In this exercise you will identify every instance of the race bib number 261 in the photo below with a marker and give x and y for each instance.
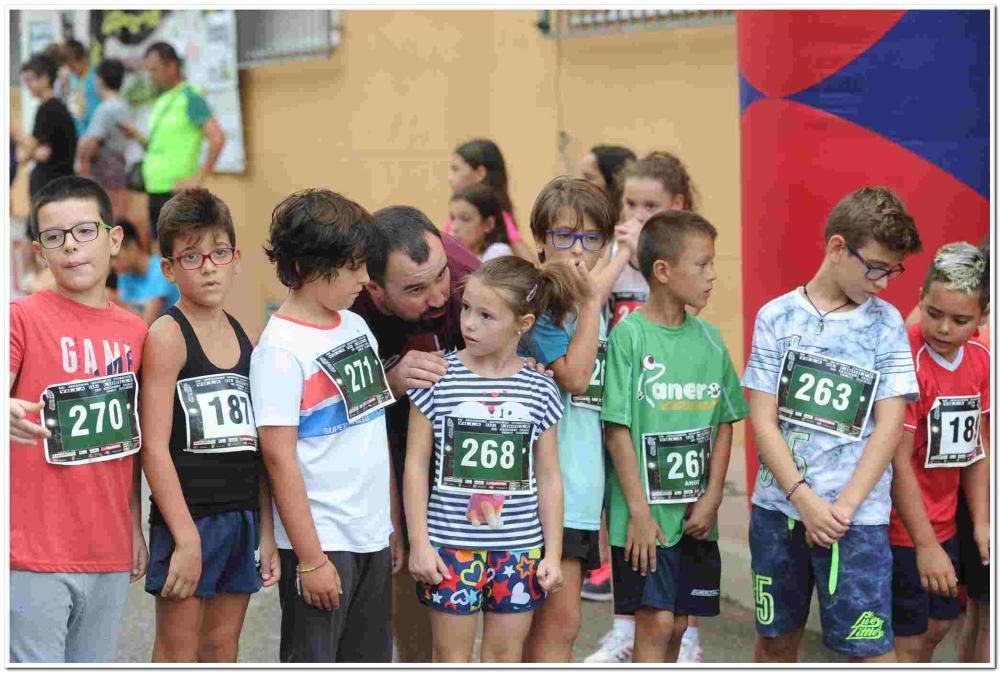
(91, 420)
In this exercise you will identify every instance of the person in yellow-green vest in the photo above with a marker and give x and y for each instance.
(180, 120)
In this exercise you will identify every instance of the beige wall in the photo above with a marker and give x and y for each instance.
(379, 118)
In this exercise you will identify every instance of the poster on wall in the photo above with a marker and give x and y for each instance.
(206, 42)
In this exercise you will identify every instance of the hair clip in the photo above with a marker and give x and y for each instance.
(531, 293)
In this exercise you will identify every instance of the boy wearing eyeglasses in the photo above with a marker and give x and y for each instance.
(829, 376)
(75, 532)
(141, 285)
(573, 221)
(210, 508)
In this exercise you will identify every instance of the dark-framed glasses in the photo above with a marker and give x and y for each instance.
(82, 232)
(592, 241)
(877, 271)
(190, 261)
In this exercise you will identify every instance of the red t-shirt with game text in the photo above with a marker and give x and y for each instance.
(69, 518)
(969, 374)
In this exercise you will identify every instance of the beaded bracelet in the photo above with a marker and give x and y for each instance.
(788, 496)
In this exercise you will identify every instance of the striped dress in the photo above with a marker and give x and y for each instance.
(481, 520)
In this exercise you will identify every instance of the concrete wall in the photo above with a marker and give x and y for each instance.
(378, 120)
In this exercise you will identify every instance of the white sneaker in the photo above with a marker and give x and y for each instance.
(691, 652)
(616, 648)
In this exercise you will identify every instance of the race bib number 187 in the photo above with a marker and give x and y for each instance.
(953, 432)
(825, 394)
(218, 413)
(91, 420)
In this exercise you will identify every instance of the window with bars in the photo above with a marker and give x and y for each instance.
(571, 22)
(276, 36)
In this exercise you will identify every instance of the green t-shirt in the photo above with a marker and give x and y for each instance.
(175, 137)
(672, 387)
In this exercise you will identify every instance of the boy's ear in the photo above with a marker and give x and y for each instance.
(984, 319)
(116, 234)
(836, 247)
(167, 267)
(661, 271)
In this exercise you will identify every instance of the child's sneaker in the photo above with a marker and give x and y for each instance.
(597, 585)
(616, 648)
(691, 652)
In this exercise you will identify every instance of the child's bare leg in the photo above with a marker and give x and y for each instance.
(783, 649)
(503, 637)
(557, 621)
(178, 629)
(674, 648)
(221, 626)
(454, 636)
(654, 630)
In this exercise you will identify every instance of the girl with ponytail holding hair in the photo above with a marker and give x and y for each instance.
(479, 161)
(488, 536)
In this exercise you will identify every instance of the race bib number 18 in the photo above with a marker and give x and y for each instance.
(91, 420)
(486, 456)
(676, 465)
(953, 432)
(218, 413)
(358, 374)
(825, 394)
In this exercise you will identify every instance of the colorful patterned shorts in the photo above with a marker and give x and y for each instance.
(494, 581)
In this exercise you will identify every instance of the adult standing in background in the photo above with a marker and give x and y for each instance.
(52, 142)
(180, 120)
(83, 98)
(101, 151)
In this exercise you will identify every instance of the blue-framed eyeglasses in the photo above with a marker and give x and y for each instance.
(876, 272)
(592, 241)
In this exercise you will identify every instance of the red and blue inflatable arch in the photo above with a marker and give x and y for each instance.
(834, 100)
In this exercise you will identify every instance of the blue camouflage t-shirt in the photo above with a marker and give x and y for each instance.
(871, 337)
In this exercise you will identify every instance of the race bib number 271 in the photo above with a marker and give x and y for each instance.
(359, 376)
(91, 420)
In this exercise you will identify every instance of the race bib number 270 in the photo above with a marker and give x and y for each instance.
(91, 420)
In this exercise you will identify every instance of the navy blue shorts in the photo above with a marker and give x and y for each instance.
(971, 572)
(686, 581)
(911, 605)
(854, 580)
(229, 543)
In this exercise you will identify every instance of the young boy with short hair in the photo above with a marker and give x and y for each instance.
(209, 509)
(939, 459)
(75, 534)
(319, 396)
(671, 397)
(829, 375)
(141, 284)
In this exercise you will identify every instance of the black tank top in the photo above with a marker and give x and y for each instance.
(213, 441)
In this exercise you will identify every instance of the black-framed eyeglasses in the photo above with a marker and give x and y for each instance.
(191, 261)
(592, 241)
(874, 272)
(83, 232)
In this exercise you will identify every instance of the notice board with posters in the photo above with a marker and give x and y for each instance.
(206, 42)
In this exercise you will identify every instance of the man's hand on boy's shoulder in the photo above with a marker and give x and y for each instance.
(23, 431)
(416, 369)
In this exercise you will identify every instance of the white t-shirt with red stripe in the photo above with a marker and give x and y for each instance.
(345, 465)
(967, 375)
